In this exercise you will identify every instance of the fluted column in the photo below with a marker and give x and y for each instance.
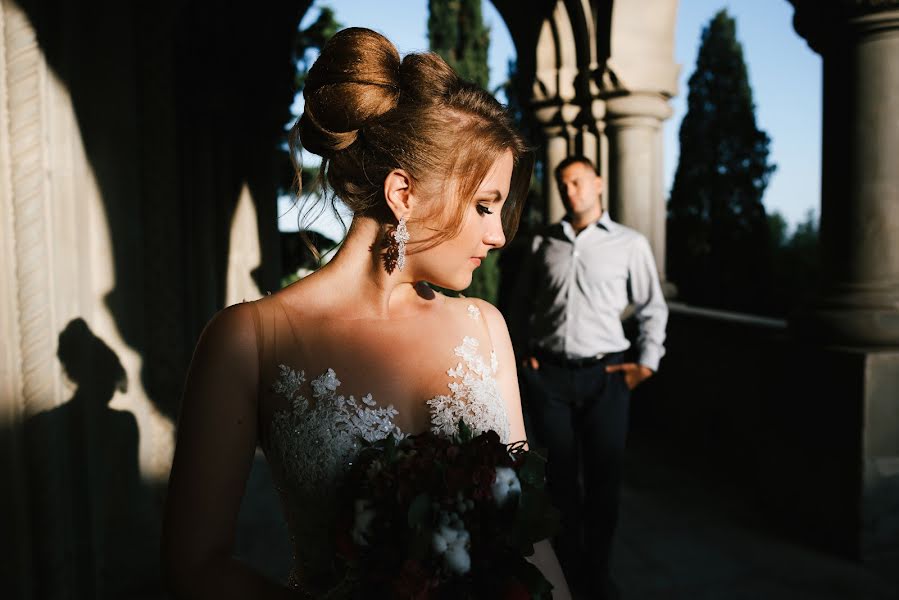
(27, 361)
(636, 191)
(558, 131)
(859, 44)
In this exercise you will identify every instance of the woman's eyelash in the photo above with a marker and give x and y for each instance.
(484, 209)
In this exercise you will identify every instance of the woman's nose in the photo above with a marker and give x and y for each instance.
(495, 236)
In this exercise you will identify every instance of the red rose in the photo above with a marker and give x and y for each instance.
(515, 590)
(345, 546)
(456, 479)
(483, 478)
(344, 541)
(412, 582)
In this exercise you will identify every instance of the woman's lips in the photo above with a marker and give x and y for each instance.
(476, 260)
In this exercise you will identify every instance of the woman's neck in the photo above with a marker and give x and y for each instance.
(357, 271)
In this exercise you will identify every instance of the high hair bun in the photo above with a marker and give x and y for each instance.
(426, 78)
(355, 80)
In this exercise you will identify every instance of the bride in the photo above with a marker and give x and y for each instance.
(435, 176)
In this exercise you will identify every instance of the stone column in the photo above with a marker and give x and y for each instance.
(636, 192)
(592, 142)
(556, 122)
(570, 128)
(859, 43)
(29, 376)
(855, 319)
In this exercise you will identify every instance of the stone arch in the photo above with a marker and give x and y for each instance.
(602, 74)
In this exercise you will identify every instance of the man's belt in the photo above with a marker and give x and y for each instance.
(561, 360)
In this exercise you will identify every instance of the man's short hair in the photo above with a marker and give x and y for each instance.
(572, 160)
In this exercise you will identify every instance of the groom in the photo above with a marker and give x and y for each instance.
(581, 275)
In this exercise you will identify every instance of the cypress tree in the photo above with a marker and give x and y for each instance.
(718, 249)
(314, 37)
(456, 31)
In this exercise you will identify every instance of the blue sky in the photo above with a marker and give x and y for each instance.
(784, 73)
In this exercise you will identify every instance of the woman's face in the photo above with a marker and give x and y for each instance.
(451, 263)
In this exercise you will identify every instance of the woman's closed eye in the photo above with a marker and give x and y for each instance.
(484, 209)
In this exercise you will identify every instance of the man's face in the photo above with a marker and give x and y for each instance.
(580, 188)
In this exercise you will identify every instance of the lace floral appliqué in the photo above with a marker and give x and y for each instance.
(474, 395)
(316, 441)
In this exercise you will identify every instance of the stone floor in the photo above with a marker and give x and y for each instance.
(683, 537)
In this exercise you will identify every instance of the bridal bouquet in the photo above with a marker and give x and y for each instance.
(430, 517)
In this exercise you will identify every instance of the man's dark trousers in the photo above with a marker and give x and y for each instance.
(579, 413)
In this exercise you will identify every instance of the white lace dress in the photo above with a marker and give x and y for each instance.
(312, 444)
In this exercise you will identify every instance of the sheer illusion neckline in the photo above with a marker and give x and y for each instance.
(473, 394)
(314, 439)
(472, 387)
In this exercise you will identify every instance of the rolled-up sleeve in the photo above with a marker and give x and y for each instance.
(651, 310)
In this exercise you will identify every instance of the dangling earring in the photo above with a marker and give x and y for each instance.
(401, 236)
(395, 256)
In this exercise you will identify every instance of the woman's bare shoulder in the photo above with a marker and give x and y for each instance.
(232, 325)
(230, 336)
(481, 308)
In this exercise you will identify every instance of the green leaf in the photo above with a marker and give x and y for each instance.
(536, 518)
(419, 512)
(532, 470)
(390, 448)
(419, 543)
(465, 434)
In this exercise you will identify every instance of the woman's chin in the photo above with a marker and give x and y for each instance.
(456, 285)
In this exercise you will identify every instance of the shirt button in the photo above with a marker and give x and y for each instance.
(576, 254)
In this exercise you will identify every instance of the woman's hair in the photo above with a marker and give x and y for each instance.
(368, 112)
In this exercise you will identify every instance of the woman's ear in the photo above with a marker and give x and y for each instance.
(398, 193)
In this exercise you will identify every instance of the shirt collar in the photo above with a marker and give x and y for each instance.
(604, 222)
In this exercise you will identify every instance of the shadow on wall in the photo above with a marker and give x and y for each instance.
(178, 105)
(94, 522)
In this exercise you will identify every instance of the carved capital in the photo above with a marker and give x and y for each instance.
(651, 108)
(867, 6)
(825, 22)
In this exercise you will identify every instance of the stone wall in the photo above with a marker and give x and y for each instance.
(128, 132)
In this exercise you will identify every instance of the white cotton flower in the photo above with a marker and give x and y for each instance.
(449, 533)
(438, 543)
(505, 485)
(451, 540)
(362, 522)
(456, 559)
